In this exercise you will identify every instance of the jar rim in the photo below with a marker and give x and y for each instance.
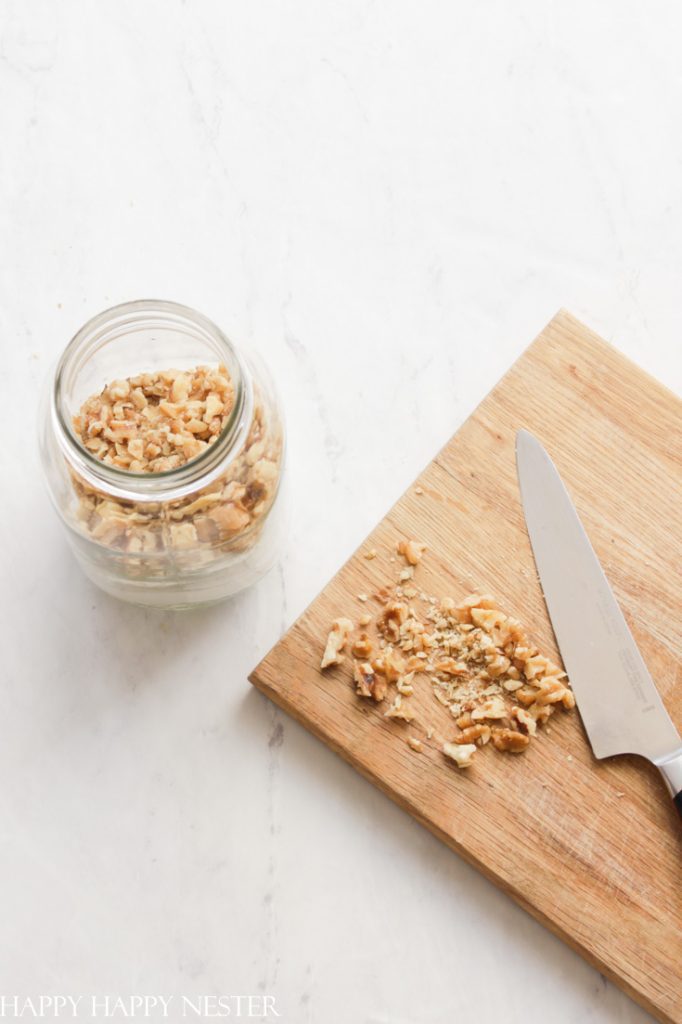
(170, 484)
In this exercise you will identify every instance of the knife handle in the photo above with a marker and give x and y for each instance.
(671, 770)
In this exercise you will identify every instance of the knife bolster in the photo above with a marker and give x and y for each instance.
(671, 769)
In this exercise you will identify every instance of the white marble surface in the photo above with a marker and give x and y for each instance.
(389, 200)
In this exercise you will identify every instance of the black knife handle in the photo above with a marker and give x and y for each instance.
(678, 803)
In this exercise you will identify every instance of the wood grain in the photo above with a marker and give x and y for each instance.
(592, 849)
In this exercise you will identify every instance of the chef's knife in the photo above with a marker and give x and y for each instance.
(618, 702)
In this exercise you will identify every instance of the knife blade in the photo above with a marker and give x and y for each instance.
(618, 702)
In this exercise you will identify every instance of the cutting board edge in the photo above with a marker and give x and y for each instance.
(262, 685)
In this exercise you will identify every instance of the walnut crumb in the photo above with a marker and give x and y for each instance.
(400, 709)
(461, 754)
(492, 708)
(336, 641)
(362, 646)
(475, 734)
(411, 550)
(510, 740)
(367, 683)
(415, 744)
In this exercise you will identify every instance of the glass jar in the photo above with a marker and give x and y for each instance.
(191, 534)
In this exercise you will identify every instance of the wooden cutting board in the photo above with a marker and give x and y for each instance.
(592, 849)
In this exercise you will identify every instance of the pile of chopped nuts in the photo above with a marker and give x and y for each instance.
(478, 662)
(156, 422)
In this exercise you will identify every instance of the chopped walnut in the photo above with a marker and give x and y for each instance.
(493, 707)
(183, 536)
(336, 641)
(475, 734)
(362, 647)
(411, 550)
(415, 664)
(487, 618)
(510, 740)
(450, 667)
(460, 753)
(392, 619)
(526, 721)
(415, 744)
(400, 709)
(463, 610)
(541, 713)
(497, 665)
(366, 682)
(380, 688)
(550, 691)
(390, 665)
(404, 684)
(526, 695)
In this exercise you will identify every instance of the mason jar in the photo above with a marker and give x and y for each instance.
(175, 531)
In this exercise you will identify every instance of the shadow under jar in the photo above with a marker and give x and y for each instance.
(177, 530)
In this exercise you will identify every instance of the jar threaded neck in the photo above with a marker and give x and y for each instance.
(121, 325)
